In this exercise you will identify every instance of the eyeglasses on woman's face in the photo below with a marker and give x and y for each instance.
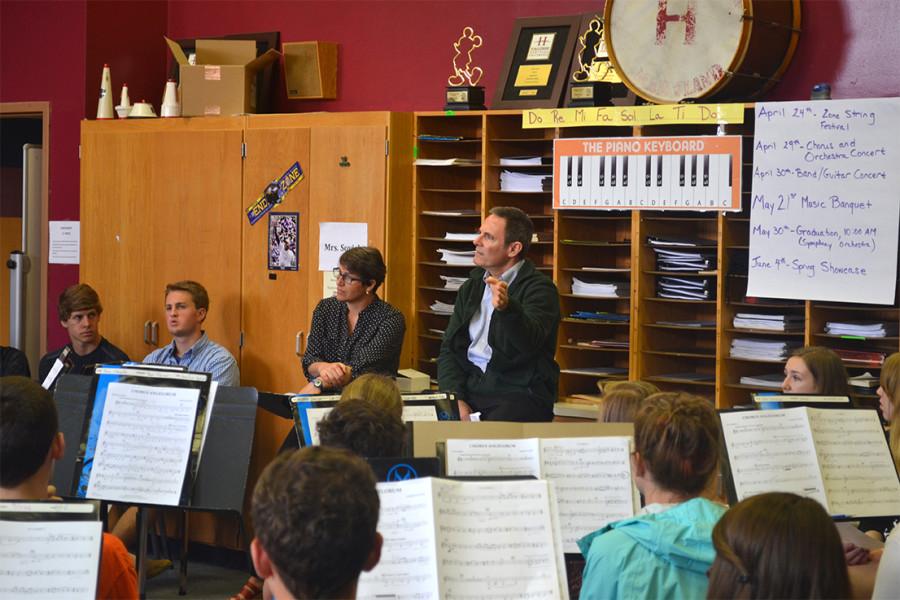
(346, 278)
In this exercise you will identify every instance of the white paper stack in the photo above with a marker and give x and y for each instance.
(869, 329)
(442, 307)
(680, 288)
(448, 162)
(756, 349)
(771, 381)
(452, 283)
(866, 380)
(612, 289)
(524, 182)
(457, 257)
(680, 260)
(768, 322)
(461, 237)
(523, 161)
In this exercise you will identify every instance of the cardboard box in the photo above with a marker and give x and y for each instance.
(411, 381)
(310, 70)
(223, 82)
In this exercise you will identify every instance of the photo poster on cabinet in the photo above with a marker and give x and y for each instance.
(142, 436)
(283, 248)
(825, 201)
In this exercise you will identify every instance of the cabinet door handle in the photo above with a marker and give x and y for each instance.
(154, 333)
(298, 343)
(147, 331)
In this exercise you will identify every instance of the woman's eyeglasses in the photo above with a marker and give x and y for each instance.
(347, 278)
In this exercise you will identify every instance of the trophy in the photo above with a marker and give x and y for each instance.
(463, 91)
(592, 81)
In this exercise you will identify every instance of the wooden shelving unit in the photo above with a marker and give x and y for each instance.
(574, 243)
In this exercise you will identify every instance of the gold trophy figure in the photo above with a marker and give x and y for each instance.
(594, 68)
(463, 91)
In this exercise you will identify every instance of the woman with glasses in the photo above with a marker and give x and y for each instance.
(355, 331)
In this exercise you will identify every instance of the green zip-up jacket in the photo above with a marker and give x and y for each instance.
(522, 339)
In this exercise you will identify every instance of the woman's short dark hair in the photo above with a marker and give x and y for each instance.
(519, 227)
(677, 436)
(777, 545)
(366, 263)
(315, 513)
(827, 369)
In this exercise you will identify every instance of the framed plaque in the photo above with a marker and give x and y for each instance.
(537, 61)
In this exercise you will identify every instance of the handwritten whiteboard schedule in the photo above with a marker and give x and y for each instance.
(825, 202)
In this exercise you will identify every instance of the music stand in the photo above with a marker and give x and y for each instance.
(221, 477)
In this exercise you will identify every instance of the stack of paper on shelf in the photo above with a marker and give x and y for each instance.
(457, 257)
(452, 212)
(599, 316)
(857, 357)
(771, 381)
(453, 283)
(511, 181)
(442, 307)
(768, 322)
(602, 343)
(687, 323)
(867, 329)
(681, 260)
(680, 288)
(448, 162)
(461, 237)
(865, 381)
(610, 289)
(757, 349)
(526, 161)
(596, 371)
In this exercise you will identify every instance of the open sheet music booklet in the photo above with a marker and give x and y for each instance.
(143, 435)
(472, 539)
(839, 457)
(592, 475)
(49, 550)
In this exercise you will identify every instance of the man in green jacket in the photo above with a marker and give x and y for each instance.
(497, 352)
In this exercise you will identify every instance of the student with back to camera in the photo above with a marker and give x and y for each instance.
(665, 551)
(777, 545)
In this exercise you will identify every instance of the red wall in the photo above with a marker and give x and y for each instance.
(395, 55)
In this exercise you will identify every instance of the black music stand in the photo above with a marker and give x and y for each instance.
(221, 477)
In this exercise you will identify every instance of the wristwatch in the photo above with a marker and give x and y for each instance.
(317, 382)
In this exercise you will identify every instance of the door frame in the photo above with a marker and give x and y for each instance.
(42, 110)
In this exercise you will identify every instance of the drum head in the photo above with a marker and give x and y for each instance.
(670, 50)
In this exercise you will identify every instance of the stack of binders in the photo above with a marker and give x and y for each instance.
(680, 288)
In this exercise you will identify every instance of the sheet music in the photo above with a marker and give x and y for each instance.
(408, 565)
(592, 478)
(513, 457)
(49, 560)
(416, 412)
(145, 439)
(773, 451)
(495, 540)
(860, 478)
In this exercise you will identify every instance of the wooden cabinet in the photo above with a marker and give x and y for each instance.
(161, 202)
(164, 200)
(675, 343)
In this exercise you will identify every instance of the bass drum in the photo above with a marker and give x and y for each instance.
(667, 51)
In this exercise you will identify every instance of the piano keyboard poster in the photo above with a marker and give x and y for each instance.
(651, 173)
(825, 202)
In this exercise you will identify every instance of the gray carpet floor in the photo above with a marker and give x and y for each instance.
(204, 581)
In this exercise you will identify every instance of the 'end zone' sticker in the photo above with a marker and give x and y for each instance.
(274, 193)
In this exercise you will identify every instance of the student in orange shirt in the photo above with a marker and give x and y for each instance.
(30, 443)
